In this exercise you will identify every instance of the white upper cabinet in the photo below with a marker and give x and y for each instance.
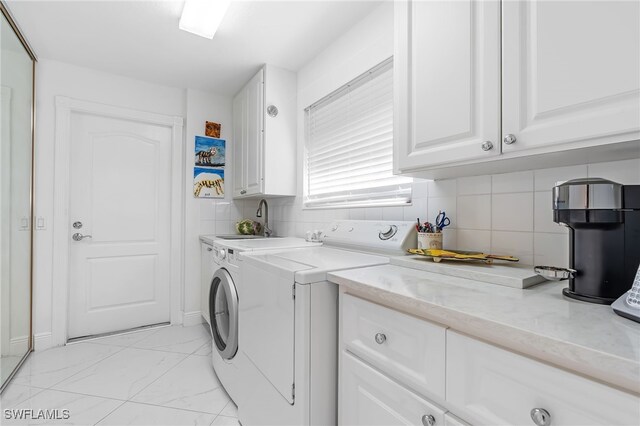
(490, 86)
(571, 73)
(264, 124)
(447, 82)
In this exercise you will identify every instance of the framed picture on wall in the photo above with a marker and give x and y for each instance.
(208, 182)
(208, 171)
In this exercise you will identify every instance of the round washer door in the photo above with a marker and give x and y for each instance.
(223, 311)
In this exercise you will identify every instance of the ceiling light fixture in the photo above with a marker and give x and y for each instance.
(203, 17)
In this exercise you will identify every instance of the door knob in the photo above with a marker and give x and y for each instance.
(380, 338)
(487, 146)
(509, 139)
(79, 237)
(244, 191)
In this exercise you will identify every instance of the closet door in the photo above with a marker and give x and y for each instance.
(16, 197)
(570, 74)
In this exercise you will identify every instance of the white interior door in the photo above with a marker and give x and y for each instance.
(120, 189)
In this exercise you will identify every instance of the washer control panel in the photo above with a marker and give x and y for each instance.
(393, 237)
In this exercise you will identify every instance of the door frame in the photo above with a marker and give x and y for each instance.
(65, 106)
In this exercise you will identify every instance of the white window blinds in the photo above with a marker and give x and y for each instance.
(349, 145)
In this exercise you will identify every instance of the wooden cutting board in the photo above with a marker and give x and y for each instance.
(439, 255)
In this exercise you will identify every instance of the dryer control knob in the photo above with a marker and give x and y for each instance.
(222, 254)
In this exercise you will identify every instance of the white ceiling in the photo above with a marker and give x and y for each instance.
(141, 39)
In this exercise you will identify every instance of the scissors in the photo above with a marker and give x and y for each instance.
(442, 221)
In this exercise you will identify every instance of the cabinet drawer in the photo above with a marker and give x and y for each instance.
(451, 420)
(492, 386)
(407, 348)
(368, 397)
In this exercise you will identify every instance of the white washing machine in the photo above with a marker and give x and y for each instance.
(223, 305)
(288, 332)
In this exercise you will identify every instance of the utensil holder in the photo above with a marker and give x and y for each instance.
(430, 240)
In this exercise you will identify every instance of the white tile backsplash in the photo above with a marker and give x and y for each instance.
(417, 209)
(551, 249)
(473, 240)
(543, 215)
(443, 188)
(503, 214)
(474, 185)
(512, 212)
(519, 244)
(625, 172)
(393, 213)
(512, 182)
(546, 179)
(474, 212)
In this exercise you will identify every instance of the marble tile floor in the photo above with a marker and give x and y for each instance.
(160, 376)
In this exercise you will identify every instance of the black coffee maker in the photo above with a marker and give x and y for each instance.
(604, 238)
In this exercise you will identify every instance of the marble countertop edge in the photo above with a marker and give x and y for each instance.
(604, 367)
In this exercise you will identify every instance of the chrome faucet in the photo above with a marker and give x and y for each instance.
(267, 231)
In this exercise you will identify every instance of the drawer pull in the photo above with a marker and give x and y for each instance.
(541, 417)
(428, 420)
(380, 338)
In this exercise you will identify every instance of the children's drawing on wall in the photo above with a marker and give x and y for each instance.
(210, 152)
(208, 182)
(208, 173)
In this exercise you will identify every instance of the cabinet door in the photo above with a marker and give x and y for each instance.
(446, 82)
(570, 73)
(368, 398)
(451, 420)
(239, 143)
(492, 386)
(206, 274)
(255, 133)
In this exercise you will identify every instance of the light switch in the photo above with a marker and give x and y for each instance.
(24, 224)
(40, 224)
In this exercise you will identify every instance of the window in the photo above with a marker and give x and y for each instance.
(349, 145)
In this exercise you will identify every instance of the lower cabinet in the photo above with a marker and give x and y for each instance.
(396, 379)
(451, 420)
(368, 397)
(493, 386)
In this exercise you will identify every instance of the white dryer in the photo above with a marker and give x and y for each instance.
(223, 298)
(289, 321)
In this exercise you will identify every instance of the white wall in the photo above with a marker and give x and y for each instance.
(55, 78)
(202, 215)
(509, 213)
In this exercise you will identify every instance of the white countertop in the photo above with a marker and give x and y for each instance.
(208, 239)
(586, 338)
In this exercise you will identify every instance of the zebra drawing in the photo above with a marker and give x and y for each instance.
(204, 157)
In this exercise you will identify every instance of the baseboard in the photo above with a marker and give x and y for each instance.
(192, 318)
(42, 341)
(18, 345)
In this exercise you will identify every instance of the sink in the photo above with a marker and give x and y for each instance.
(241, 237)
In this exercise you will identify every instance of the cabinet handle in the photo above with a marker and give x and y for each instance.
(428, 420)
(209, 249)
(244, 191)
(380, 338)
(541, 417)
(509, 139)
(487, 146)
